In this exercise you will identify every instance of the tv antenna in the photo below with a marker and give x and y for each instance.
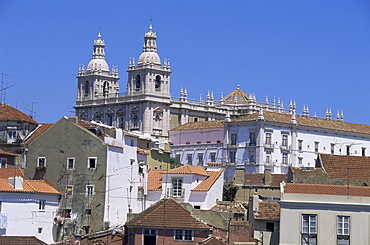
(3, 90)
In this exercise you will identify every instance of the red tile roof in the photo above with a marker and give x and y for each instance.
(5, 173)
(155, 179)
(167, 213)
(9, 113)
(346, 167)
(38, 131)
(189, 169)
(141, 151)
(214, 163)
(237, 96)
(29, 186)
(251, 179)
(268, 210)
(318, 189)
(17, 240)
(213, 241)
(308, 121)
(206, 184)
(200, 125)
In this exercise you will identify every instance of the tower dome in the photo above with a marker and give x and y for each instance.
(98, 62)
(150, 55)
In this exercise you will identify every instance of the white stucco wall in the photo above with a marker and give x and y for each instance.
(24, 217)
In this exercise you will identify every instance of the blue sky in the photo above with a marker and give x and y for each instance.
(316, 52)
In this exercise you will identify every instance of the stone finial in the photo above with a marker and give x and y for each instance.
(293, 119)
(227, 118)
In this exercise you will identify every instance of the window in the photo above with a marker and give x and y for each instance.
(300, 161)
(285, 140)
(3, 162)
(309, 229)
(138, 83)
(86, 229)
(316, 147)
(88, 211)
(232, 156)
(178, 157)
(141, 167)
(200, 159)
(69, 190)
(363, 151)
(140, 193)
(1, 206)
(270, 226)
(86, 88)
(183, 235)
(39, 230)
(285, 158)
(41, 162)
(268, 157)
(42, 204)
(348, 150)
(67, 213)
(233, 138)
(90, 190)
(268, 139)
(70, 163)
(300, 143)
(252, 138)
(212, 155)
(177, 187)
(251, 157)
(190, 159)
(332, 148)
(91, 164)
(343, 230)
(158, 83)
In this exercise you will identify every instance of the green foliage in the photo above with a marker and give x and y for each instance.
(173, 160)
(230, 191)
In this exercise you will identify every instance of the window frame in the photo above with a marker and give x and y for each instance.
(4, 160)
(66, 191)
(90, 190)
(343, 235)
(177, 187)
(200, 159)
(189, 159)
(89, 165)
(38, 162)
(73, 164)
(300, 145)
(212, 156)
(268, 139)
(284, 140)
(316, 146)
(42, 205)
(311, 229)
(183, 235)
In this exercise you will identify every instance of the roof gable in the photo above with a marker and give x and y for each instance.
(206, 184)
(167, 213)
(189, 169)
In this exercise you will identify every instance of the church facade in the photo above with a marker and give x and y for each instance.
(147, 104)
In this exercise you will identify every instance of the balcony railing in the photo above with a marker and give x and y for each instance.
(176, 193)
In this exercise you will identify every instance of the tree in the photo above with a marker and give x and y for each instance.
(230, 191)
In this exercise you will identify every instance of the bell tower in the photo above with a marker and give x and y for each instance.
(96, 83)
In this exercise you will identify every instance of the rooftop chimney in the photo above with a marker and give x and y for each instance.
(267, 177)
(16, 182)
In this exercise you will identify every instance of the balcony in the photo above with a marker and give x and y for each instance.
(176, 193)
(284, 147)
(269, 145)
(253, 144)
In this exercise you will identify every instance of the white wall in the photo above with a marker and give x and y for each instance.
(24, 217)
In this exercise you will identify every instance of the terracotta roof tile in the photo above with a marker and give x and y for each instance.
(9, 113)
(5, 173)
(167, 213)
(189, 169)
(17, 240)
(206, 184)
(155, 179)
(318, 189)
(268, 210)
(141, 151)
(237, 96)
(308, 121)
(29, 186)
(213, 241)
(199, 125)
(257, 179)
(38, 131)
(214, 163)
(346, 167)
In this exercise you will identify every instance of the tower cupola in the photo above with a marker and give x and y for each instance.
(98, 63)
(150, 55)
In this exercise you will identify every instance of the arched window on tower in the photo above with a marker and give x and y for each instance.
(105, 88)
(121, 118)
(86, 88)
(158, 83)
(109, 118)
(138, 82)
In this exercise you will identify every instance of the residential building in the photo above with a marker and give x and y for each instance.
(271, 140)
(8, 159)
(201, 187)
(99, 170)
(319, 214)
(27, 207)
(165, 222)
